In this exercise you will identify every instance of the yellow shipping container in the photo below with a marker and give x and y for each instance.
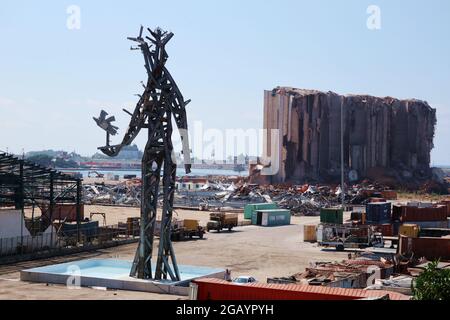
(309, 233)
(190, 224)
(409, 230)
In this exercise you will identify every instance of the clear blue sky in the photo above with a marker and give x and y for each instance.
(224, 54)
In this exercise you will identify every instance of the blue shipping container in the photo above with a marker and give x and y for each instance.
(378, 213)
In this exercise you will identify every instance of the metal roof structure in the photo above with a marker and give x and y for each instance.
(23, 183)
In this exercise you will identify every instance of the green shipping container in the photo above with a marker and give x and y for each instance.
(332, 215)
(251, 208)
(274, 217)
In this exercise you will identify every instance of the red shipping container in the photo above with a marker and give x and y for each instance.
(216, 289)
(430, 248)
(438, 213)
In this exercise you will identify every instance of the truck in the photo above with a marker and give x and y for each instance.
(183, 229)
(222, 220)
(348, 236)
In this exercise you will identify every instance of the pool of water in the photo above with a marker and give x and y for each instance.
(115, 269)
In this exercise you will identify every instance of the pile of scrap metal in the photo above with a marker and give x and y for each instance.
(304, 199)
(126, 193)
(352, 273)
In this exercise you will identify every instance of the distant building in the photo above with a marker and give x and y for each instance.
(190, 184)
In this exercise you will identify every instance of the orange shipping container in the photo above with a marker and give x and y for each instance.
(216, 289)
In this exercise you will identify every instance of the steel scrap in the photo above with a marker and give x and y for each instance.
(125, 193)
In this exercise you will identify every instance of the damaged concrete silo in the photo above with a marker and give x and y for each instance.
(383, 137)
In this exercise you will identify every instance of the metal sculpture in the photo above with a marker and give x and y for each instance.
(160, 101)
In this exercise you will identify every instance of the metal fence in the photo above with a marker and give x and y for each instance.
(53, 242)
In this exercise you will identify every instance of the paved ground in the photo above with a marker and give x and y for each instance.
(257, 251)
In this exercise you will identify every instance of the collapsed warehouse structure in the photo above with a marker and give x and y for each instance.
(26, 185)
(382, 136)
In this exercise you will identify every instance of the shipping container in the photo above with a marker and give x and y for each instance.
(434, 232)
(332, 215)
(409, 230)
(410, 214)
(430, 248)
(275, 217)
(447, 204)
(378, 213)
(214, 289)
(249, 209)
(430, 224)
(309, 233)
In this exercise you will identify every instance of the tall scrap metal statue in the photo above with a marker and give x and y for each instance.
(161, 99)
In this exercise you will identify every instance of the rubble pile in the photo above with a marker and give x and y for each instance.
(125, 193)
(353, 272)
(304, 199)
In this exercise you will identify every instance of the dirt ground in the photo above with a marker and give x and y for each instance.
(250, 250)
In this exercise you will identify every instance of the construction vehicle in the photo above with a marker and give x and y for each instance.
(222, 220)
(348, 236)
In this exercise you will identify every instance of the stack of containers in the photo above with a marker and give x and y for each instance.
(379, 214)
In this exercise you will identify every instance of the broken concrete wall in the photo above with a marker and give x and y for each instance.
(384, 136)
